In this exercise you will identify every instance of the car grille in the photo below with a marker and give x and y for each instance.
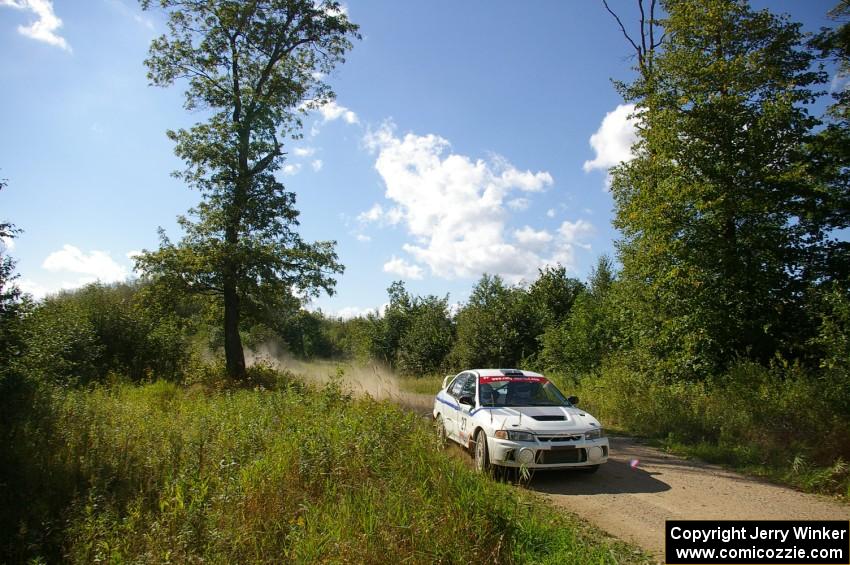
(551, 439)
(554, 456)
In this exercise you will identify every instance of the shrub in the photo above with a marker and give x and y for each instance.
(85, 335)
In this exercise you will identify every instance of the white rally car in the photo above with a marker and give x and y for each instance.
(516, 418)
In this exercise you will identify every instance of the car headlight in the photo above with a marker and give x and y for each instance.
(514, 435)
(595, 433)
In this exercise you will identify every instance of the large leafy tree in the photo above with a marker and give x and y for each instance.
(718, 208)
(495, 328)
(578, 342)
(834, 43)
(10, 299)
(428, 340)
(830, 155)
(253, 68)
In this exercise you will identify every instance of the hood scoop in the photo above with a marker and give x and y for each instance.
(542, 418)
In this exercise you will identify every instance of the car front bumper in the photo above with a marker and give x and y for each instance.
(534, 455)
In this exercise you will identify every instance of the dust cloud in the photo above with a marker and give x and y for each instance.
(370, 379)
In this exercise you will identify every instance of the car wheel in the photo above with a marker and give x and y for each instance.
(590, 470)
(481, 453)
(441, 431)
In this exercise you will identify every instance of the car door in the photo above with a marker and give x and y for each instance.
(450, 406)
(462, 417)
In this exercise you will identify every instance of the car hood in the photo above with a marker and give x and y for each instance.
(542, 419)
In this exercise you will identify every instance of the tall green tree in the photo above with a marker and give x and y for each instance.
(576, 345)
(494, 329)
(253, 68)
(11, 305)
(834, 43)
(713, 206)
(552, 296)
(830, 157)
(426, 343)
(393, 324)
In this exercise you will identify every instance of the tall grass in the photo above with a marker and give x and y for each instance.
(283, 473)
(774, 421)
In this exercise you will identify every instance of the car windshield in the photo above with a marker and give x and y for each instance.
(520, 392)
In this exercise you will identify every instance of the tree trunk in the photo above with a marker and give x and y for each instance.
(234, 356)
(233, 353)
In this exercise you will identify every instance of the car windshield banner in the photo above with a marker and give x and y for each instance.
(541, 380)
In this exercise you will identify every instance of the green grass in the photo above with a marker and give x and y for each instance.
(429, 384)
(282, 473)
(774, 422)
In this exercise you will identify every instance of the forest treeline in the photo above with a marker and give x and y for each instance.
(751, 412)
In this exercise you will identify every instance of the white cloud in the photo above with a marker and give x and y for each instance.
(92, 266)
(525, 181)
(143, 21)
(570, 236)
(613, 141)
(550, 212)
(28, 286)
(403, 269)
(291, 169)
(456, 209)
(394, 215)
(519, 204)
(333, 111)
(364, 238)
(304, 151)
(317, 165)
(529, 237)
(350, 312)
(373, 214)
(8, 243)
(574, 233)
(43, 29)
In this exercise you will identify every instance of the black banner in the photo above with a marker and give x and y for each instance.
(758, 542)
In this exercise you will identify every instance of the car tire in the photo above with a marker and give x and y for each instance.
(481, 453)
(590, 470)
(442, 438)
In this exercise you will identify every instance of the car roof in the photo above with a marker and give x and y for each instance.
(505, 373)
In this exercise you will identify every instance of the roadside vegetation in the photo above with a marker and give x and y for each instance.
(722, 327)
(274, 471)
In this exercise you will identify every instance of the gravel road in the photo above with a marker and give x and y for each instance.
(632, 504)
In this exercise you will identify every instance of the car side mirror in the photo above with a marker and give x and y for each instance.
(466, 399)
(573, 400)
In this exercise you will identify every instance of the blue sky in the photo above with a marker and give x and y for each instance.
(467, 137)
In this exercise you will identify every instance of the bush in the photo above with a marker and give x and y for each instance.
(86, 335)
